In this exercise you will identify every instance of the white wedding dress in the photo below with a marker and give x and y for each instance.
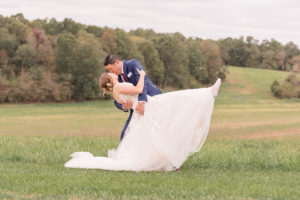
(174, 126)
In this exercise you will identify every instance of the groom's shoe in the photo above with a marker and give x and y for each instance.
(176, 169)
(215, 87)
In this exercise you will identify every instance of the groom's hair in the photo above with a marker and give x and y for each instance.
(110, 59)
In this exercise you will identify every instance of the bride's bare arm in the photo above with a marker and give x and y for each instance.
(131, 89)
(117, 98)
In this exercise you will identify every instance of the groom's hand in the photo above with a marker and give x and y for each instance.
(127, 105)
(140, 108)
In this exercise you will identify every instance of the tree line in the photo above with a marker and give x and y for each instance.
(47, 60)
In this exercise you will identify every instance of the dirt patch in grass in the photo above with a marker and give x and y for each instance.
(88, 132)
(290, 133)
(239, 125)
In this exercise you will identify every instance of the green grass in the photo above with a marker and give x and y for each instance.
(227, 169)
(252, 151)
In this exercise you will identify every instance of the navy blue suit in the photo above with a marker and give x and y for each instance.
(132, 76)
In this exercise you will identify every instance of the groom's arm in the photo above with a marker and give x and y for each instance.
(137, 65)
(119, 105)
(127, 105)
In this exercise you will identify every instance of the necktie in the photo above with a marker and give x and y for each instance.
(124, 78)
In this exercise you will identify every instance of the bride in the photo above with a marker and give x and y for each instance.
(174, 126)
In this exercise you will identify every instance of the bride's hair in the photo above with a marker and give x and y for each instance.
(105, 82)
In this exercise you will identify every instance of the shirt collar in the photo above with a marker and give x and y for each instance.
(122, 67)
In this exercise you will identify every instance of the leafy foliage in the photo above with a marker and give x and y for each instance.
(289, 88)
(70, 49)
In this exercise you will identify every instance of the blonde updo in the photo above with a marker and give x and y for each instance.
(106, 83)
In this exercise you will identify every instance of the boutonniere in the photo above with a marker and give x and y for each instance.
(129, 74)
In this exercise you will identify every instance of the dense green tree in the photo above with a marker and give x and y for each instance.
(148, 34)
(8, 42)
(20, 17)
(82, 58)
(38, 24)
(109, 41)
(295, 62)
(38, 39)
(238, 52)
(173, 54)
(97, 31)
(252, 50)
(126, 47)
(272, 45)
(53, 27)
(3, 58)
(213, 58)
(18, 29)
(281, 59)
(3, 21)
(179, 36)
(197, 61)
(88, 56)
(64, 53)
(225, 45)
(268, 60)
(26, 55)
(291, 50)
(153, 65)
(70, 26)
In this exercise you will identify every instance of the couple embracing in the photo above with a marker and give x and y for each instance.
(162, 129)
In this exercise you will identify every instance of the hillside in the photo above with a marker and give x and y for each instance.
(250, 85)
(246, 109)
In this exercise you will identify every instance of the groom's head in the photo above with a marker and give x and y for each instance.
(113, 64)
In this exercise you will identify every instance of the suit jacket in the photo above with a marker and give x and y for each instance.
(132, 76)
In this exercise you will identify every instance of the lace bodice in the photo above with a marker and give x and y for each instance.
(125, 97)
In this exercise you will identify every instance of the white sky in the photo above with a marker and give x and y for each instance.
(214, 19)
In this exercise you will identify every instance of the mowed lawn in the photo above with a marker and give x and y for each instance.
(252, 150)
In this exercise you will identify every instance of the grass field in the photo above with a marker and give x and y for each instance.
(252, 151)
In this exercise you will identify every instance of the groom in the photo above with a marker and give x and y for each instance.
(126, 71)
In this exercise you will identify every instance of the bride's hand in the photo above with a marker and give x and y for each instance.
(141, 72)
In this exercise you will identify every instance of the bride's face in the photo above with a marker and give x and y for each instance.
(114, 76)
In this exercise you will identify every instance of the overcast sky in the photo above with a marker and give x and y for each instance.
(214, 19)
